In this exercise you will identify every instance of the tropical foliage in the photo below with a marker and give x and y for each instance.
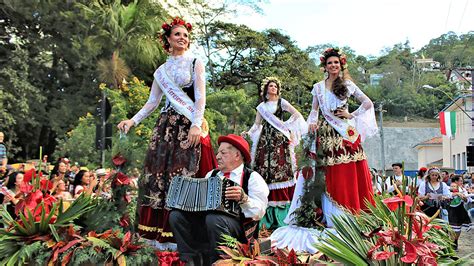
(48, 231)
(391, 231)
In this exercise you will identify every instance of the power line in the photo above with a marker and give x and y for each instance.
(462, 16)
(447, 17)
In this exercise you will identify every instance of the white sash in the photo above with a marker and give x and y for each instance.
(345, 127)
(174, 94)
(273, 120)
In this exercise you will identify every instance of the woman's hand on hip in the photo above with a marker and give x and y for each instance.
(343, 113)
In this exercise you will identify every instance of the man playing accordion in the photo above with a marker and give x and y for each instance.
(198, 233)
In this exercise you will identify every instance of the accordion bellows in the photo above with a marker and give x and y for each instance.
(201, 194)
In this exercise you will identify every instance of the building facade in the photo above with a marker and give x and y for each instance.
(454, 148)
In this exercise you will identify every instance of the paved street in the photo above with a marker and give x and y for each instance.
(466, 243)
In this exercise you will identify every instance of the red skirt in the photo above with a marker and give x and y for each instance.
(350, 185)
(348, 179)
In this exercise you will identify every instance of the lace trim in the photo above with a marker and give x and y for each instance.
(155, 229)
(278, 203)
(280, 185)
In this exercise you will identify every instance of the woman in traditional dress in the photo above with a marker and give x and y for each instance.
(433, 192)
(339, 135)
(273, 156)
(457, 213)
(179, 144)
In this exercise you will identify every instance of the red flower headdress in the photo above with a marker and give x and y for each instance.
(333, 52)
(176, 22)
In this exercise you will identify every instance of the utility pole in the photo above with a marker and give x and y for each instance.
(380, 109)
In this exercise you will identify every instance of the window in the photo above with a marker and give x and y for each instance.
(454, 161)
(464, 162)
(458, 162)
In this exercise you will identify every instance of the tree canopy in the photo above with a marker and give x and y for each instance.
(56, 54)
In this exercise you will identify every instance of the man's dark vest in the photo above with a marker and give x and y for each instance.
(250, 225)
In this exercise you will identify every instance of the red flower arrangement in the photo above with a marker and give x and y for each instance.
(168, 258)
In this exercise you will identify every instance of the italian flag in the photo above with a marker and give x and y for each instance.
(447, 121)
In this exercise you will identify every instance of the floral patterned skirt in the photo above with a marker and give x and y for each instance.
(348, 180)
(169, 154)
(273, 163)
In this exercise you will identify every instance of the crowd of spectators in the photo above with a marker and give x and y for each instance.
(65, 181)
(447, 196)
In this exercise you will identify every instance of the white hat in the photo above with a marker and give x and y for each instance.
(100, 171)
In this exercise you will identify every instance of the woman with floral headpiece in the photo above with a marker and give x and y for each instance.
(180, 144)
(339, 136)
(273, 156)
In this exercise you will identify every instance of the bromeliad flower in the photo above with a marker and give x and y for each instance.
(121, 179)
(394, 202)
(382, 255)
(119, 160)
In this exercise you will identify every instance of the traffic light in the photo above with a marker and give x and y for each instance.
(108, 136)
(108, 109)
(470, 155)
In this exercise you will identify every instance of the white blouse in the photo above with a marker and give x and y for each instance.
(364, 115)
(272, 106)
(179, 68)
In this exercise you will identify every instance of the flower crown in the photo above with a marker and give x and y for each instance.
(433, 170)
(177, 21)
(333, 52)
(267, 80)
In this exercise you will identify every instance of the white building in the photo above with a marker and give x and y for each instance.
(430, 152)
(454, 148)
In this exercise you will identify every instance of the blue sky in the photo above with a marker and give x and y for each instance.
(367, 26)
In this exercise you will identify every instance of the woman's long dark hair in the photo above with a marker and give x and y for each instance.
(266, 83)
(12, 180)
(78, 178)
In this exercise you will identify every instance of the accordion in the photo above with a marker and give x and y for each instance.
(201, 194)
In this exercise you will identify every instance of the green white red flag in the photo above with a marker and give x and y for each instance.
(447, 122)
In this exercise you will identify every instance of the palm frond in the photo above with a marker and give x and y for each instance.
(80, 206)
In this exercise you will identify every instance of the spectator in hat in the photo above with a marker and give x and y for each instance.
(251, 194)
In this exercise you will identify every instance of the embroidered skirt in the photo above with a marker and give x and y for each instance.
(348, 180)
(273, 163)
(169, 154)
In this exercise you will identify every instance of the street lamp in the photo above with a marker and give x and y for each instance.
(451, 98)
